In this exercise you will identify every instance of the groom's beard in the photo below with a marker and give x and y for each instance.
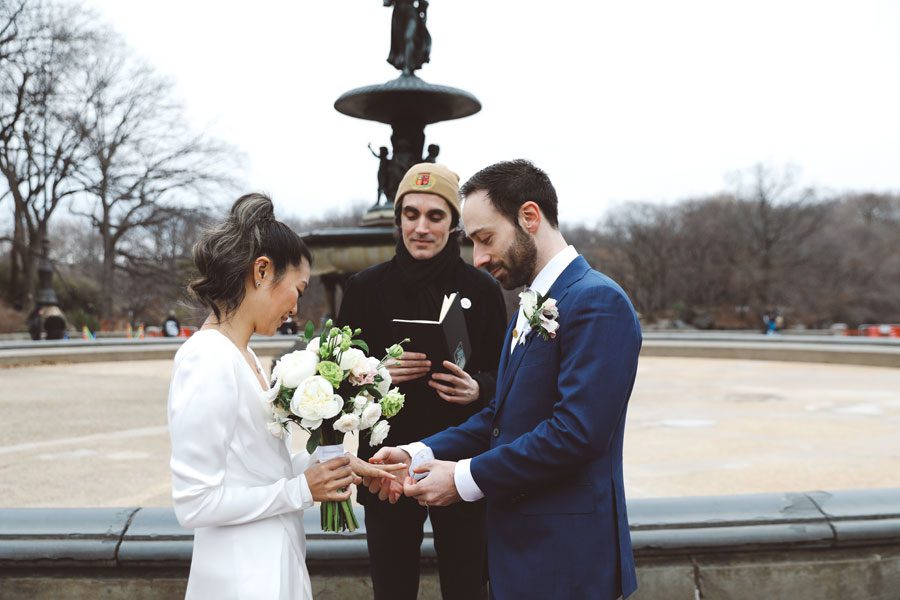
(518, 262)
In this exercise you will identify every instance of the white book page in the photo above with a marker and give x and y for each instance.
(445, 306)
(448, 301)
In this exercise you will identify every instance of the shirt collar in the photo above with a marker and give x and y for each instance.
(553, 269)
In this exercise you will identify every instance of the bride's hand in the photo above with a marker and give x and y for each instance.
(326, 479)
(369, 471)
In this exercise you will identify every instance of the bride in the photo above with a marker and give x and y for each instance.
(237, 485)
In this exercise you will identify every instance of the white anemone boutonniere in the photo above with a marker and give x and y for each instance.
(541, 312)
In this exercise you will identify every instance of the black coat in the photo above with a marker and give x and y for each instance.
(367, 304)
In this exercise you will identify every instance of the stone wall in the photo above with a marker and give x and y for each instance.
(798, 546)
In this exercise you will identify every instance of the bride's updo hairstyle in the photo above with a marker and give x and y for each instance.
(225, 254)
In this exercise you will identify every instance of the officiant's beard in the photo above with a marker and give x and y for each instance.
(518, 262)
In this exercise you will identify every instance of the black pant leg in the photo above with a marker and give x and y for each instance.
(460, 540)
(394, 537)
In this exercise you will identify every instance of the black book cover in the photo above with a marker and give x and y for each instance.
(444, 339)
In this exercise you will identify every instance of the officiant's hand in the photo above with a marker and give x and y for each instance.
(457, 387)
(384, 488)
(410, 365)
(438, 489)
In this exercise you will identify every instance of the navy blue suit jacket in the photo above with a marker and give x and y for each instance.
(548, 449)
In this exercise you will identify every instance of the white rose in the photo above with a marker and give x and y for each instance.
(313, 346)
(359, 404)
(276, 428)
(315, 400)
(379, 433)
(385, 384)
(354, 360)
(370, 415)
(295, 367)
(347, 423)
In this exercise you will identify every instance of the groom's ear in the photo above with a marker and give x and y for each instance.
(530, 217)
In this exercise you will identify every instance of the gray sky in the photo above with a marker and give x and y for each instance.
(617, 101)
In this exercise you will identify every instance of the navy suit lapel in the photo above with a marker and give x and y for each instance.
(504, 352)
(560, 288)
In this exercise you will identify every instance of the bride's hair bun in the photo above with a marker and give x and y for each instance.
(226, 251)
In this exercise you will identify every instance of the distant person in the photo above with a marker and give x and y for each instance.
(54, 322)
(171, 327)
(35, 323)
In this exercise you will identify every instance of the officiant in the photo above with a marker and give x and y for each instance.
(412, 285)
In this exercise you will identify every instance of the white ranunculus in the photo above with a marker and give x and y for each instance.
(385, 384)
(314, 400)
(353, 360)
(295, 367)
(347, 423)
(370, 415)
(276, 428)
(379, 433)
(528, 302)
(313, 346)
(359, 404)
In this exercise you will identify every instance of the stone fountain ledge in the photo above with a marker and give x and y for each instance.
(843, 544)
(883, 352)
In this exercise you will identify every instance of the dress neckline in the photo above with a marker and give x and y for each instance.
(231, 343)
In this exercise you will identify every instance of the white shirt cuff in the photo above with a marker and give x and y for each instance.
(413, 448)
(465, 484)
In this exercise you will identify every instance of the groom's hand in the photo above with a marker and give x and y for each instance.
(384, 488)
(438, 489)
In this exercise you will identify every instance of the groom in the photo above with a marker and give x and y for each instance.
(546, 452)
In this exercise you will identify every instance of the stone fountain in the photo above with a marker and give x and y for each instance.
(408, 104)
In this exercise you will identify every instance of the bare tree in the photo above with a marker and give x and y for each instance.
(41, 95)
(143, 163)
(646, 235)
(777, 217)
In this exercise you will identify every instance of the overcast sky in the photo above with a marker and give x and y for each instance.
(617, 101)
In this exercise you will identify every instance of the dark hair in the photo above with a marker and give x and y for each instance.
(510, 184)
(225, 253)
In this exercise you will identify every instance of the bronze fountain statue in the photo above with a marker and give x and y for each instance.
(408, 104)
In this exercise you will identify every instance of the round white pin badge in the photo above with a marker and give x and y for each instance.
(465, 303)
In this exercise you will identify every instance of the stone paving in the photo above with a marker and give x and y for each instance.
(94, 434)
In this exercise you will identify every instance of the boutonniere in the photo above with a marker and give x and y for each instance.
(541, 313)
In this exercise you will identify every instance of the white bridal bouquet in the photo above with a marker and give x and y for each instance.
(330, 389)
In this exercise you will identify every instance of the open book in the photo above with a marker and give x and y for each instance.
(444, 339)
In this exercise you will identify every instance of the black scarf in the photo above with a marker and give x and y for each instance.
(421, 284)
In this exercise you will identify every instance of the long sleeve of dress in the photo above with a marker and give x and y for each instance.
(203, 408)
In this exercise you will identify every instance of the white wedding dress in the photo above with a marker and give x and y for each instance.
(233, 482)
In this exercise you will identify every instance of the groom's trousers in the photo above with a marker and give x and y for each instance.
(394, 534)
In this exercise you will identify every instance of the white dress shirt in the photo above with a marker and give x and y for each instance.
(462, 475)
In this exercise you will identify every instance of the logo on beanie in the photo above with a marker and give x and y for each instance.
(424, 180)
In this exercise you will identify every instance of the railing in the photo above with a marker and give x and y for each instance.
(882, 352)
